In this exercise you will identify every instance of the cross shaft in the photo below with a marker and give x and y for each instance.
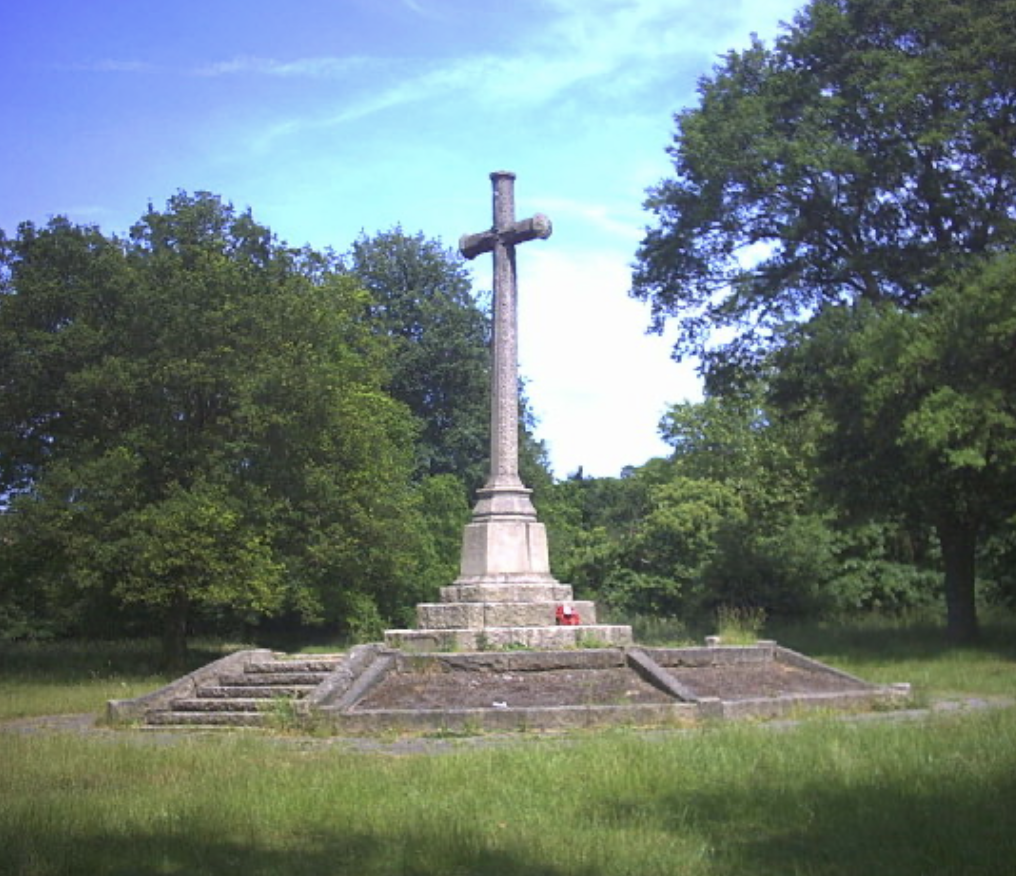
(501, 240)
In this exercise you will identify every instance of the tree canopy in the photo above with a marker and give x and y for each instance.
(866, 155)
(194, 418)
(922, 409)
(422, 302)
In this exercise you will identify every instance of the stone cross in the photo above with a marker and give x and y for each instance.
(504, 487)
(505, 593)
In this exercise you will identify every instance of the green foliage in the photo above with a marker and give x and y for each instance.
(922, 405)
(733, 519)
(883, 569)
(194, 421)
(739, 626)
(856, 179)
(422, 303)
(866, 155)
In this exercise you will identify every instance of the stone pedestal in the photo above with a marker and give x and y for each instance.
(504, 595)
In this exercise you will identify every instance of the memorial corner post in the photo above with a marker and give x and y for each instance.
(504, 539)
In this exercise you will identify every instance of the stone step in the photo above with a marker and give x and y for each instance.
(542, 591)
(310, 664)
(293, 691)
(481, 615)
(262, 679)
(232, 704)
(207, 719)
(493, 638)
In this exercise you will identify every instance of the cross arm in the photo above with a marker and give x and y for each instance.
(472, 245)
(538, 227)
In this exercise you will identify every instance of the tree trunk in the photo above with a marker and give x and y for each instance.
(174, 632)
(959, 549)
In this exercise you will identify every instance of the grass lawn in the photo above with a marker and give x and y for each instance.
(825, 797)
(63, 678)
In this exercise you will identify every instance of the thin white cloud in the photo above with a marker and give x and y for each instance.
(626, 229)
(612, 48)
(310, 68)
(422, 9)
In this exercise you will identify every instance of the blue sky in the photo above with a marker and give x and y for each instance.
(329, 118)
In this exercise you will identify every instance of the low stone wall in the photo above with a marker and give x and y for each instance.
(515, 720)
(346, 712)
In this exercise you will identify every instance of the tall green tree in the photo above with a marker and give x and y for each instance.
(924, 413)
(866, 155)
(193, 419)
(422, 301)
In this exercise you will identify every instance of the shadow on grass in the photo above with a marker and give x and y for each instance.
(884, 641)
(69, 661)
(825, 829)
(335, 853)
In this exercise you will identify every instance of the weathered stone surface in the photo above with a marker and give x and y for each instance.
(505, 594)
(508, 720)
(649, 669)
(500, 548)
(499, 590)
(228, 704)
(504, 637)
(129, 710)
(449, 616)
(709, 656)
(242, 690)
(360, 684)
(481, 615)
(254, 692)
(336, 686)
(269, 680)
(537, 689)
(512, 661)
(207, 719)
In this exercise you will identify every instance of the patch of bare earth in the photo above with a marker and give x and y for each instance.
(481, 690)
(604, 687)
(762, 680)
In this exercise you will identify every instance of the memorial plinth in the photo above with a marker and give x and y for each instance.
(505, 594)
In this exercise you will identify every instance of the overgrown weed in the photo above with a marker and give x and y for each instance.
(737, 625)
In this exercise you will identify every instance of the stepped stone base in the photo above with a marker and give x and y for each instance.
(480, 615)
(487, 638)
(501, 610)
(375, 689)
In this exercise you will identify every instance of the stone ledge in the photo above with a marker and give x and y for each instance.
(507, 720)
(547, 637)
(515, 591)
(511, 661)
(484, 615)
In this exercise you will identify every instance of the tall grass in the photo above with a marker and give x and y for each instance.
(827, 798)
(47, 678)
(886, 650)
